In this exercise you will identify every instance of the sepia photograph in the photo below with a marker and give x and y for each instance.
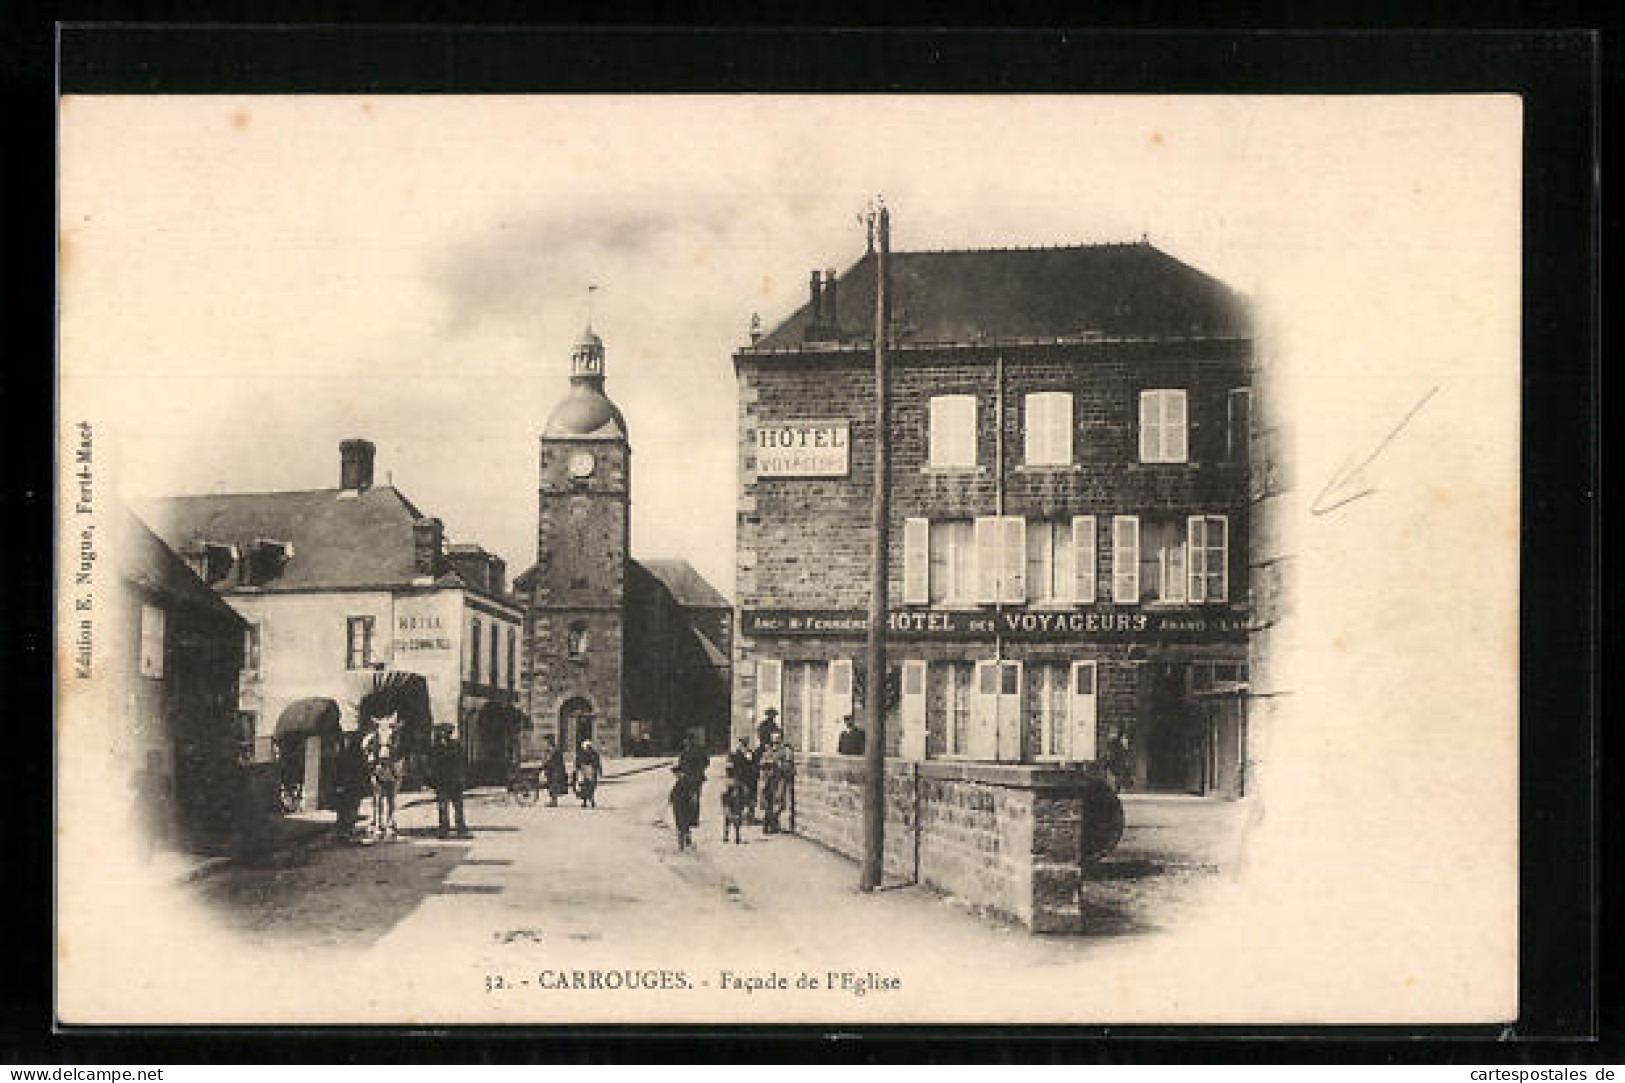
(775, 559)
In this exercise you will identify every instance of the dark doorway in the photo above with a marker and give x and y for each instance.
(1173, 759)
(575, 722)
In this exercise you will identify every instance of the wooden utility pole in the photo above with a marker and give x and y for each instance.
(874, 700)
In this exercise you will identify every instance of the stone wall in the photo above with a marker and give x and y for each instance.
(1002, 836)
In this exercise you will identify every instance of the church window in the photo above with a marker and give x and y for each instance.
(575, 641)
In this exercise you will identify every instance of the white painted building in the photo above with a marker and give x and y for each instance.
(340, 586)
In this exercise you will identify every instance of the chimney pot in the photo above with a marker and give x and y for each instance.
(428, 536)
(817, 298)
(355, 464)
(830, 315)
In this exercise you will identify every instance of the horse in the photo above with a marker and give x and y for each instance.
(384, 767)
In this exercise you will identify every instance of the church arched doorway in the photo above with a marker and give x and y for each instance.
(575, 722)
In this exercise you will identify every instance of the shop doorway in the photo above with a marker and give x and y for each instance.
(1174, 758)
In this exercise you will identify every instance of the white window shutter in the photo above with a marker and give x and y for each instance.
(1218, 558)
(1060, 421)
(837, 702)
(1013, 555)
(987, 559)
(913, 710)
(1125, 558)
(965, 426)
(1196, 560)
(1174, 424)
(1036, 434)
(1083, 559)
(769, 687)
(1083, 710)
(1009, 712)
(916, 561)
(1150, 427)
(984, 712)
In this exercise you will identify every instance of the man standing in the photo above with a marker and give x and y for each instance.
(778, 767)
(449, 770)
(743, 763)
(853, 740)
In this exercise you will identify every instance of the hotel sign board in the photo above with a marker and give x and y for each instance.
(803, 449)
(1025, 624)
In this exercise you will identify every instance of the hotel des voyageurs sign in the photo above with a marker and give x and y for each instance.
(803, 449)
(1031, 624)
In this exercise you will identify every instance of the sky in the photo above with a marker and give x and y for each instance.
(248, 281)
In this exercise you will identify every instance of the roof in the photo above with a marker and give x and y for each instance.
(1109, 290)
(586, 412)
(687, 586)
(340, 538)
(146, 562)
(713, 654)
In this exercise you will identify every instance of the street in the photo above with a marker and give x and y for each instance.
(611, 878)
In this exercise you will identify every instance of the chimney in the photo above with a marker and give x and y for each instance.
(355, 465)
(816, 306)
(829, 302)
(427, 536)
(498, 582)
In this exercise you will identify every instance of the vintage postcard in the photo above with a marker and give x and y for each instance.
(468, 609)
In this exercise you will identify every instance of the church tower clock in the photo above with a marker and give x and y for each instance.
(576, 609)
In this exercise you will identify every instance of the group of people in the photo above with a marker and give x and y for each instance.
(558, 779)
(371, 763)
(758, 782)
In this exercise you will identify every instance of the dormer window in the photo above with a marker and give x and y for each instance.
(266, 559)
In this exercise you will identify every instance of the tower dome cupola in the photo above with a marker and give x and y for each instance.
(586, 411)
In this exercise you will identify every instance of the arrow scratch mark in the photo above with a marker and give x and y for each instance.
(1342, 477)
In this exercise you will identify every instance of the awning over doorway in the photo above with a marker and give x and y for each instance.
(306, 717)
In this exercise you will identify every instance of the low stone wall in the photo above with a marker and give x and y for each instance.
(1004, 836)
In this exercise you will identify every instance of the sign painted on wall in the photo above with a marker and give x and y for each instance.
(802, 449)
(1036, 624)
(421, 632)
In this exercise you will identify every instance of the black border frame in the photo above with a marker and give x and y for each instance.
(1559, 75)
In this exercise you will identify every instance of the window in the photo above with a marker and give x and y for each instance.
(474, 638)
(1219, 676)
(1049, 428)
(251, 648)
(513, 655)
(1125, 558)
(995, 724)
(1051, 684)
(838, 701)
(1238, 424)
(1163, 575)
(959, 677)
(152, 641)
(939, 562)
(1001, 559)
(1051, 570)
(248, 724)
(575, 640)
(1162, 427)
(1209, 537)
(358, 642)
(953, 431)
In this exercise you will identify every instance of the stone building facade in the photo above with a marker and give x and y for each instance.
(1069, 513)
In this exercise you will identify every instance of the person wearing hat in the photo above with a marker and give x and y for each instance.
(448, 770)
(770, 726)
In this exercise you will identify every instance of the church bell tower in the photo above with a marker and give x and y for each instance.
(575, 620)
